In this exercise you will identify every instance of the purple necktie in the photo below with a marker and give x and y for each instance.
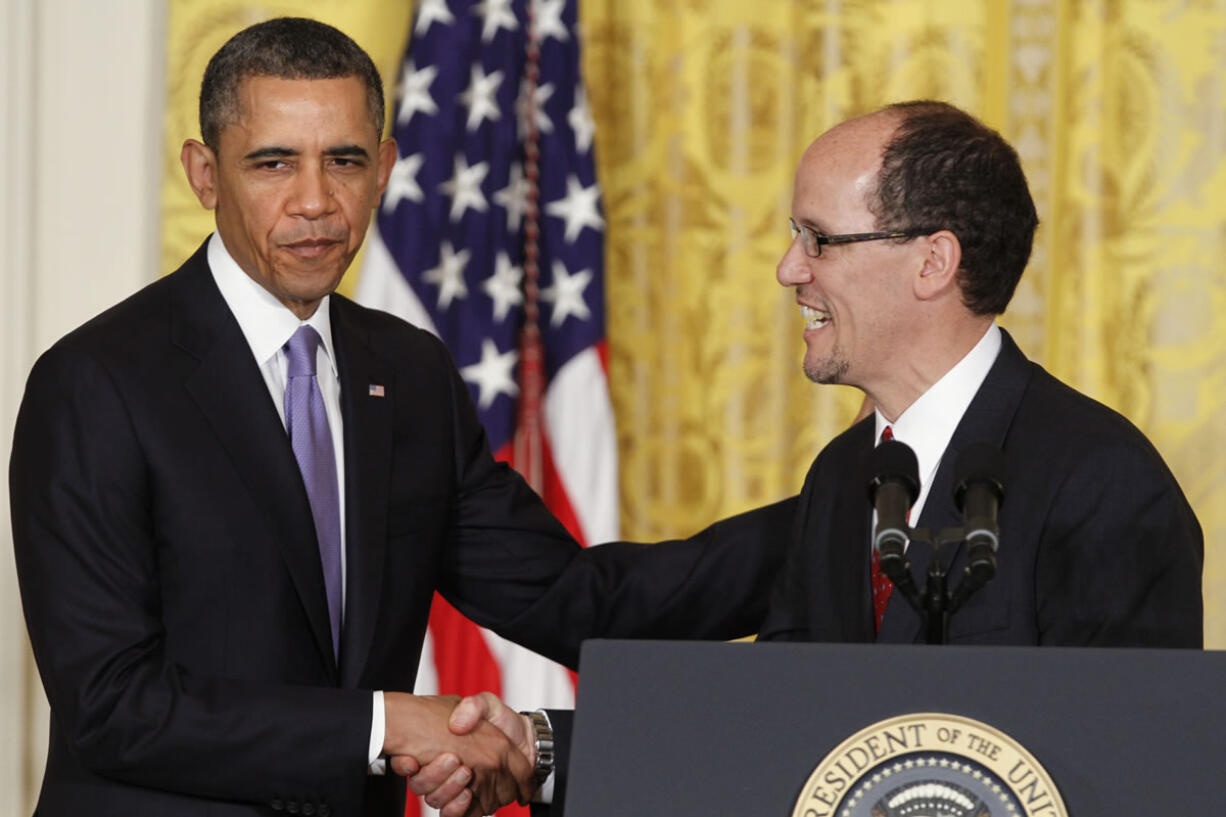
(311, 438)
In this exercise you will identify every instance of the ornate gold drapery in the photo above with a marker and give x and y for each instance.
(702, 107)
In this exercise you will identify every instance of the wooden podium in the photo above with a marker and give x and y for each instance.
(719, 730)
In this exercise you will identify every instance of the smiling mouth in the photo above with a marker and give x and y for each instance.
(814, 318)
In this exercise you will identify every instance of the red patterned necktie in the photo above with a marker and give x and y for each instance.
(882, 586)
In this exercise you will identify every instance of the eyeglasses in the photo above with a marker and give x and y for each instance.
(813, 241)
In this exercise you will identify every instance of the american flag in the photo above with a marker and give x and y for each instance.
(491, 235)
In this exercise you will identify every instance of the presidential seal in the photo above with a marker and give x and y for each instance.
(929, 765)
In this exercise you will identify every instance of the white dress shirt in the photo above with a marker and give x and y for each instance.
(268, 324)
(928, 424)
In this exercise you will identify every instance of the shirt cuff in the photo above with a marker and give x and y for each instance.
(375, 764)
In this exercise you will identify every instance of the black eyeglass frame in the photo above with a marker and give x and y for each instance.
(820, 239)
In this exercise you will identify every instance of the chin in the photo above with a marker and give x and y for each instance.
(826, 372)
(307, 280)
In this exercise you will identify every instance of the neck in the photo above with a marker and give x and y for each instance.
(924, 362)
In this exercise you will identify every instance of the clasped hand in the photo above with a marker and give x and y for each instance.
(465, 757)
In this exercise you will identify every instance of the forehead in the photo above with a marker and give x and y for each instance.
(839, 171)
(275, 106)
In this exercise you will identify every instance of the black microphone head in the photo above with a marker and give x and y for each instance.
(981, 463)
(894, 461)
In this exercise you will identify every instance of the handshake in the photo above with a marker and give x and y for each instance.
(465, 757)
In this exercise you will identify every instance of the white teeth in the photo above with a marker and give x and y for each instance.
(814, 319)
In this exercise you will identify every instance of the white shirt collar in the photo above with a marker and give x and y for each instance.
(928, 424)
(267, 323)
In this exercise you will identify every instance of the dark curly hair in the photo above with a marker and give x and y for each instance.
(943, 168)
(286, 47)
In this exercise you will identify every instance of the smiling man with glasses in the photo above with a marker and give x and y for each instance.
(911, 227)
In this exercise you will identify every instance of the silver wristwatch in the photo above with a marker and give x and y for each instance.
(543, 734)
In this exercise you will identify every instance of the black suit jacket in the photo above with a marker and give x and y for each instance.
(1098, 545)
(170, 574)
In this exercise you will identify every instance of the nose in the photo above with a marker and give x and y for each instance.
(313, 195)
(793, 269)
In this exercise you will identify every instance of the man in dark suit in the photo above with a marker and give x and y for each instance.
(227, 618)
(911, 227)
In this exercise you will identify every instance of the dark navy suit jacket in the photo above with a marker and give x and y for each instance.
(1098, 545)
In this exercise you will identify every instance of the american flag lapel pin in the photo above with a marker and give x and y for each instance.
(376, 390)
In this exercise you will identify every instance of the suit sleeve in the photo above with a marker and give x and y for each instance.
(88, 554)
(513, 568)
(786, 618)
(714, 585)
(1120, 560)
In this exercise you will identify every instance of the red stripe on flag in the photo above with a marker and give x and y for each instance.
(602, 349)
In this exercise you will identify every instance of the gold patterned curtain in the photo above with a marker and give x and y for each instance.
(1118, 109)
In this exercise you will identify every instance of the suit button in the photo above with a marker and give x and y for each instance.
(308, 809)
(277, 805)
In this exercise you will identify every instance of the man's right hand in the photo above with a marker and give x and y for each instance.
(442, 782)
(496, 770)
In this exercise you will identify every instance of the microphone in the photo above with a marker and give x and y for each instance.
(894, 486)
(978, 492)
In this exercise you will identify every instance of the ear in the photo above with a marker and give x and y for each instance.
(200, 164)
(939, 274)
(387, 160)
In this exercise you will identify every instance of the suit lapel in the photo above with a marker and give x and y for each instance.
(368, 446)
(987, 419)
(232, 396)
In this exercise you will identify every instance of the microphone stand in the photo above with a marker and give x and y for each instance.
(936, 605)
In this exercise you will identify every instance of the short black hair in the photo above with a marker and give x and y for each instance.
(944, 169)
(289, 48)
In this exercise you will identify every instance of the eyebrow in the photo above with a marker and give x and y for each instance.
(270, 153)
(347, 150)
(276, 152)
